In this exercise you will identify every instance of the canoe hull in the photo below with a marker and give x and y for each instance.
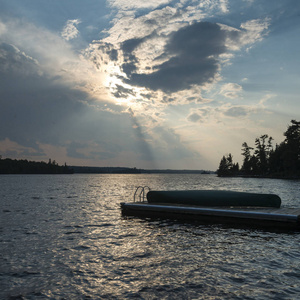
(213, 198)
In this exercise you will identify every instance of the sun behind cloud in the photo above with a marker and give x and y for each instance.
(182, 81)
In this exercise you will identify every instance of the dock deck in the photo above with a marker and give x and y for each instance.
(288, 218)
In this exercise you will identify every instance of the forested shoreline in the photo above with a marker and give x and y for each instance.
(265, 160)
(23, 166)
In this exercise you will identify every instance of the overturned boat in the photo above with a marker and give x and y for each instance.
(213, 206)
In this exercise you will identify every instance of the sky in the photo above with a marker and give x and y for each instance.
(156, 84)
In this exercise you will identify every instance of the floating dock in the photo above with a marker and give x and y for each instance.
(174, 205)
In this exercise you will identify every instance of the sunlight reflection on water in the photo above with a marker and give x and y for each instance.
(63, 237)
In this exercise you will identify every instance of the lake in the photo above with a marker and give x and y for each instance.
(63, 237)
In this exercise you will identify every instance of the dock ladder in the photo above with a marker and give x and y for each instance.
(140, 193)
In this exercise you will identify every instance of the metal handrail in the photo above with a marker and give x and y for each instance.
(140, 193)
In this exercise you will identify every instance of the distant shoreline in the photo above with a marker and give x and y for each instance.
(263, 177)
(23, 166)
(126, 170)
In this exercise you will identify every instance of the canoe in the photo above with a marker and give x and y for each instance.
(213, 198)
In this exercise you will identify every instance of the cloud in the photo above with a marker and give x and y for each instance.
(2, 28)
(209, 114)
(55, 58)
(34, 107)
(137, 4)
(224, 6)
(254, 30)
(192, 53)
(237, 111)
(169, 50)
(70, 31)
(128, 26)
(13, 149)
(157, 64)
(231, 90)
(194, 117)
(122, 92)
(48, 98)
(198, 115)
(188, 56)
(14, 60)
(41, 108)
(40, 112)
(49, 49)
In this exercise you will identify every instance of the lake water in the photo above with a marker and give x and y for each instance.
(63, 237)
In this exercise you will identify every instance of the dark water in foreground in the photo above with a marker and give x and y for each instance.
(62, 237)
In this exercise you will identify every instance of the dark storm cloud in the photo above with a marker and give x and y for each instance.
(72, 150)
(198, 40)
(129, 45)
(129, 67)
(39, 109)
(13, 60)
(35, 111)
(194, 52)
(130, 59)
(25, 111)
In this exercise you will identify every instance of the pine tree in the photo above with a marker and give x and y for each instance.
(291, 155)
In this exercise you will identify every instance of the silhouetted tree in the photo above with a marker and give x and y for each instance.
(227, 167)
(291, 155)
(276, 164)
(247, 163)
(264, 160)
(262, 153)
(9, 166)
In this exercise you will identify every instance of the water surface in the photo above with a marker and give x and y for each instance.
(63, 237)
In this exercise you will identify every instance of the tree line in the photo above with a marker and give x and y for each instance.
(23, 166)
(265, 160)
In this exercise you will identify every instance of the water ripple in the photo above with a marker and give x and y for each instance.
(63, 237)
